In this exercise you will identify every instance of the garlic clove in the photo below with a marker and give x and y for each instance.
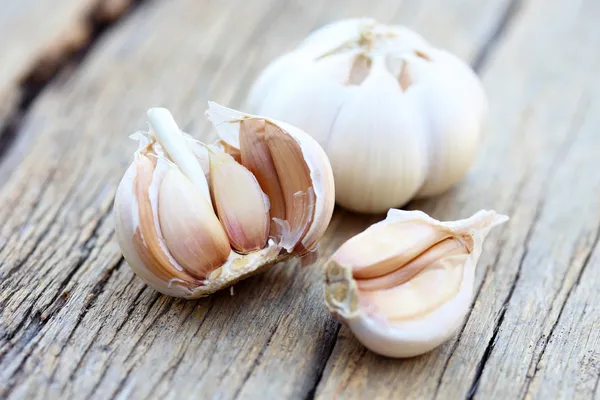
(419, 305)
(138, 235)
(174, 144)
(294, 179)
(256, 156)
(456, 104)
(427, 291)
(281, 155)
(369, 175)
(241, 205)
(190, 228)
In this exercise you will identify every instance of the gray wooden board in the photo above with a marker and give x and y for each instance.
(76, 323)
(36, 35)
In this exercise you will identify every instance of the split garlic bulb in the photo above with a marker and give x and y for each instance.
(192, 219)
(397, 117)
(404, 285)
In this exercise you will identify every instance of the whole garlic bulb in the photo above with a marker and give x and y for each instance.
(397, 117)
(192, 219)
(404, 285)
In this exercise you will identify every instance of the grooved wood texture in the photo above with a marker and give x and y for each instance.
(76, 323)
(36, 35)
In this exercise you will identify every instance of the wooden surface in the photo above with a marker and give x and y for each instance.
(37, 36)
(76, 323)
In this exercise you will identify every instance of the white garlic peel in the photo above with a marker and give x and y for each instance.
(404, 285)
(397, 117)
(178, 243)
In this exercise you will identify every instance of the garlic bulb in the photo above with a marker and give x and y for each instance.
(192, 219)
(404, 285)
(397, 117)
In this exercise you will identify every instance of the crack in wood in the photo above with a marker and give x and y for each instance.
(121, 385)
(547, 339)
(35, 82)
(510, 12)
(166, 307)
(487, 273)
(559, 157)
(33, 207)
(328, 351)
(490, 346)
(344, 382)
(61, 294)
(38, 327)
(49, 226)
(79, 362)
(492, 342)
(595, 392)
(175, 364)
(130, 311)
(257, 359)
(35, 325)
(54, 304)
(90, 300)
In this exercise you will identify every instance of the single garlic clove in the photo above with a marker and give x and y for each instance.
(167, 228)
(293, 177)
(456, 104)
(418, 304)
(175, 146)
(241, 205)
(256, 156)
(369, 176)
(278, 163)
(190, 228)
(138, 234)
(291, 168)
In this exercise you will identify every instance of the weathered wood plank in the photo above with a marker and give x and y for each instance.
(75, 322)
(36, 35)
(537, 164)
(74, 319)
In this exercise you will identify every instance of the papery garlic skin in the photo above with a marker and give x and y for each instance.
(178, 243)
(421, 333)
(403, 124)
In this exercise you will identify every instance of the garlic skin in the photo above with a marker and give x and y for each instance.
(178, 242)
(423, 309)
(397, 117)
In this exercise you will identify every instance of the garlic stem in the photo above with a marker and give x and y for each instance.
(169, 136)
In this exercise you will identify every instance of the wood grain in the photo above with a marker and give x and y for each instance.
(37, 35)
(76, 323)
